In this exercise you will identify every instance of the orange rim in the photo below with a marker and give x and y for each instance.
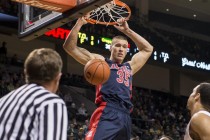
(118, 3)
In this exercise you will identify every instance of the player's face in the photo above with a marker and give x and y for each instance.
(118, 50)
(191, 99)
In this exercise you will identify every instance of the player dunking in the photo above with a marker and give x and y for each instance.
(199, 105)
(111, 120)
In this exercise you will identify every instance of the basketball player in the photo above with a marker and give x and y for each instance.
(199, 105)
(111, 120)
(34, 111)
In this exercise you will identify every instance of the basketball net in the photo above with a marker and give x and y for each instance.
(109, 13)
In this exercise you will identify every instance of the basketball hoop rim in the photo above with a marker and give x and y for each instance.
(118, 3)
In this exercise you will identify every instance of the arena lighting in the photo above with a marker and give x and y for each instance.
(166, 57)
(195, 64)
(61, 33)
(58, 33)
(161, 56)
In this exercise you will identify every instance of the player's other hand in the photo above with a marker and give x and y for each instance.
(82, 20)
(122, 25)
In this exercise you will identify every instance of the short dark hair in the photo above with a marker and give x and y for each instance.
(42, 66)
(204, 90)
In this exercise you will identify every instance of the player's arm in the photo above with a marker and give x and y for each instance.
(53, 122)
(145, 48)
(200, 124)
(70, 45)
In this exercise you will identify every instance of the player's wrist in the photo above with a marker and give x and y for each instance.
(79, 24)
(128, 31)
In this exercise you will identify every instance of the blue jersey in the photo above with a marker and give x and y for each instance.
(117, 89)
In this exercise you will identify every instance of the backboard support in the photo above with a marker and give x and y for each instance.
(34, 22)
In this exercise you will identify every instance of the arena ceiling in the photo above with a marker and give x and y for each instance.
(193, 9)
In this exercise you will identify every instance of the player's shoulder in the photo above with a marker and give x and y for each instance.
(200, 120)
(128, 63)
(201, 115)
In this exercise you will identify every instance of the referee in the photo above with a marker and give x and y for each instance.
(34, 111)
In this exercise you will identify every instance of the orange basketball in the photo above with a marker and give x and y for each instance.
(96, 71)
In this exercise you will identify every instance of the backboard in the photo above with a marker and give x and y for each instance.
(39, 16)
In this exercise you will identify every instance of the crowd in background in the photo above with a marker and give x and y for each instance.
(191, 47)
(154, 114)
(157, 113)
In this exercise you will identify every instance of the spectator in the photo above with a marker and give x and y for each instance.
(72, 111)
(82, 113)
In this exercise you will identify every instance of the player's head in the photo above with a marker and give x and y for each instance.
(43, 67)
(200, 97)
(118, 48)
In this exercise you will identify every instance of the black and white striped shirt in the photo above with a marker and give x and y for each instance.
(32, 113)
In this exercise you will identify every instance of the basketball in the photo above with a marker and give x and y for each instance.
(96, 71)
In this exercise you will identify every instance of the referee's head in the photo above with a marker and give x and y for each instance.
(43, 67)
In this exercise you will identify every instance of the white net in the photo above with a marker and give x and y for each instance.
(109, 13)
